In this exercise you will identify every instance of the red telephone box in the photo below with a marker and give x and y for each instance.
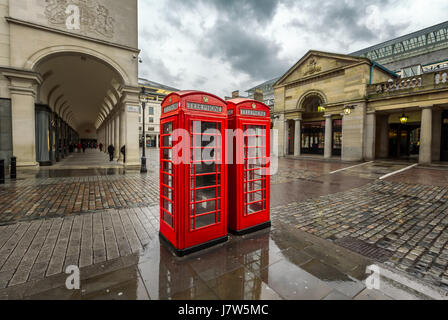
(193, 177)
(249, 179)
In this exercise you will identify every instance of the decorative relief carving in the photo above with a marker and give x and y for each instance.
(312, 67)
(87, 16)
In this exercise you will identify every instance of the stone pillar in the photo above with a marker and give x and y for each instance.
(383, 136)
(131, 103)
(116, 120)
(353, 126)
(122, 130)
(112, 132)
(328, 137)
(436, 134)
(23, 92)
(106, 131)
(286, 138)
(297, 137)
(426, 136)
(370, 136)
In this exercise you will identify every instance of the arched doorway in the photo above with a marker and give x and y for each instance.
(313, 124)
(77, 94)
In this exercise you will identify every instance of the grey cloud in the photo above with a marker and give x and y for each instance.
(246, 51)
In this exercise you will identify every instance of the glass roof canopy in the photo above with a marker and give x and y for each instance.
(423, 41)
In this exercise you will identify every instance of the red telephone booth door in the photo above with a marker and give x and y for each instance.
(255, 174)
(206, 173)
(168, 178)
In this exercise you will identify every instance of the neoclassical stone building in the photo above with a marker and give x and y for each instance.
(351, 107)
(68, 71)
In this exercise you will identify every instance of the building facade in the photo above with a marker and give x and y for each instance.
(354, 108)
(69, 71)
(350, 107)
(155, 93)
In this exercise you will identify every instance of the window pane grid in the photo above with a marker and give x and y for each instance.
(205, 182)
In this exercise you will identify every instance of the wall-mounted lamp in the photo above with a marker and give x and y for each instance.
(321, 109)
(404, 119)
(348, 110)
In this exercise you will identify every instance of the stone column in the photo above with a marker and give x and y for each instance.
(328, 137)
(122, 130)
(112, 132)
(297, 137)
(117, 135)
(436, 134)
(370, 136)
(286, 138)
(131, 105)
(23, 92)
(426, 136)
(106, 132)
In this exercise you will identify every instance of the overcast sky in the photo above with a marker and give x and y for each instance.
(224, 45)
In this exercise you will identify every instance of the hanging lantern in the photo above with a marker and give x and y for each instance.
(321, 109)
(404, 119)
(348, 110)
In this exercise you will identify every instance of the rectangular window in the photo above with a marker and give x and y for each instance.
(151, 111)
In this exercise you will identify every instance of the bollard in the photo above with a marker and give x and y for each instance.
(13, 168)
(2, 171)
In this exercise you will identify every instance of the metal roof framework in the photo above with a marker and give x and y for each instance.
(416, 43)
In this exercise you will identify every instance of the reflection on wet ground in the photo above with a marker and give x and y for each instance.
(272, 264)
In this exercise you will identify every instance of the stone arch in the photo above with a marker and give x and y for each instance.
(45, 53)
(311, 93)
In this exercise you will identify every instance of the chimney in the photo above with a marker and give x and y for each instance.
(235, 94)
(258, 95)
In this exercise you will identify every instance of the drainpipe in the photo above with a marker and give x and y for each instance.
(371, 71)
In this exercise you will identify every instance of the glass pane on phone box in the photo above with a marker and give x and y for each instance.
(167, 141)
(255, 185)
(209, 141)
(196, 155)
(210, 127)
(195, 140)
(167, 193)
(254, 207)
(166, 205)
(203, 168)
(253, 175)
(255, 196)
(167, 128)
(167, 154)
(208, 180)
(167, 218)
(167, 167)
(195, 127)
(209, 155)
(205, 207)
(206, 194)
(167, 180)
(204, 221)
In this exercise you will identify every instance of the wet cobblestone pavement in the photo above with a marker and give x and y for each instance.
(409, 221)
(330, 221)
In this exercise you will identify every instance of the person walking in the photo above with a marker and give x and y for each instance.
(111, 150)
(101, 147)
(79, 147)
(84, 146)
(123, 151)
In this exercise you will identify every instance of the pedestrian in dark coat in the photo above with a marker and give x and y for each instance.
(111, 150)
(123, 151)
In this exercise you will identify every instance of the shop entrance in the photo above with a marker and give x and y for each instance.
(313, 137)
(444, 148)
(404, 140)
